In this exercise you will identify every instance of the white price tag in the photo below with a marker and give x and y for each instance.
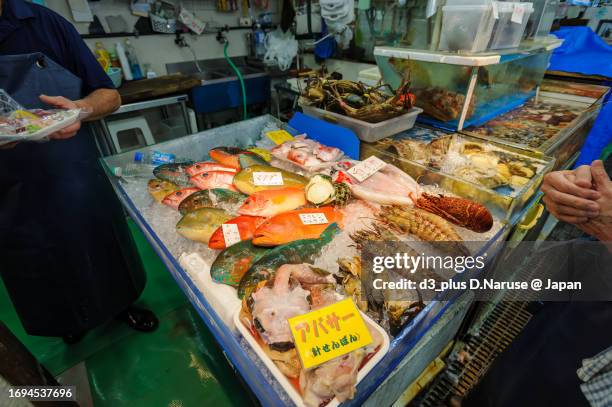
(231, 234)
(517, 13)
(315, 218)
(267, 178)
(366, 168)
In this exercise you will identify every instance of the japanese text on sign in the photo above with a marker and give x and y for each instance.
(279, 136)
(329, 332)
(267, 178)
(317, 218)
(231, 234)
(366, 168)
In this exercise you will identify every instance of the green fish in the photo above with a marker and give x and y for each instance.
(299, 251)
(200, 224)
(246, 184)
(250, 159)
(236, 157)
(175, 173)
(210, 198)
(232, 263)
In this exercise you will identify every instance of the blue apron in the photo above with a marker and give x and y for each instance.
(66, 256)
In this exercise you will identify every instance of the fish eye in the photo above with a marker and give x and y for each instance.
(179, 193)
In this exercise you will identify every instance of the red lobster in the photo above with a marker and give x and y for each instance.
(460, 211)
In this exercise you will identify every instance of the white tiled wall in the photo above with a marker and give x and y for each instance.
(158, 50)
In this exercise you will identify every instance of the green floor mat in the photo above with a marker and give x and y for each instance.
(161, 295)
(180, 364)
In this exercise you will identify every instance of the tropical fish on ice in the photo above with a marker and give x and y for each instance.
(299, 251)
(249, 180)
(173, 172)
(175, 198)
(232, 263)
(289, 226)
(236, 157)
(246, 227)
(200, 224)
(214, 179)
(159, 188)
(205, 166)
(211, 198)
(272, 202)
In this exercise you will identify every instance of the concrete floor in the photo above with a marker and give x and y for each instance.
(180, 364)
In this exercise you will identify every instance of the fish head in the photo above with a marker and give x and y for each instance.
(217, 240)
(254, 205)
(270, 234)
(156, 185)
(173, 199)
(196, 168)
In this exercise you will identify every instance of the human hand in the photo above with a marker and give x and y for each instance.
(62, 103)
(601, 225)
(569, 196)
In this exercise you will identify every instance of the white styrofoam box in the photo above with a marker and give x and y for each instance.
(284, 381)
(223, 298)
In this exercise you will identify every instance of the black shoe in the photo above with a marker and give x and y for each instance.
(72, 339)
(139, 319)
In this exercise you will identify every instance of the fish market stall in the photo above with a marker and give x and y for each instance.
(188, 213)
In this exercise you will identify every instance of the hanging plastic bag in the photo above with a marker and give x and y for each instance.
(281, 48)
(338, 15)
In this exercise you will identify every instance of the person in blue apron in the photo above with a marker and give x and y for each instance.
(67, 258)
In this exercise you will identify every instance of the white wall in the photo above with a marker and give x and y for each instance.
(158, 50)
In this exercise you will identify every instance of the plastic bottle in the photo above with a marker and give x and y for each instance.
(133, 60)
(144, 163)
(114, 60)
(260, 46)
(125, 65)
(101, 52)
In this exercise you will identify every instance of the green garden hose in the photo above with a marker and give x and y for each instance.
(240, 78)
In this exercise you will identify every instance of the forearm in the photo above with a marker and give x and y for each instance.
(101, 103)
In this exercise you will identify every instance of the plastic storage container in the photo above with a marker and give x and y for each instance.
(456, 91)
(542, 18)
(510, 24)
(368, 132)
(556, 125)
(466, 28)
(466, 166)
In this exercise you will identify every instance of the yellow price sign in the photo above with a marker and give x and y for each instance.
(329, 332)
(279, 136)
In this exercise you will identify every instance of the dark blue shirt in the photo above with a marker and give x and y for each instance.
(26, 28)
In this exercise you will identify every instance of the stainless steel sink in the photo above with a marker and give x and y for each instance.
(220, 89)
(205, 76)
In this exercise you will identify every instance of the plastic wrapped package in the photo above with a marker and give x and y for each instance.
(19, 124)
(510, 24)
(466, 28)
